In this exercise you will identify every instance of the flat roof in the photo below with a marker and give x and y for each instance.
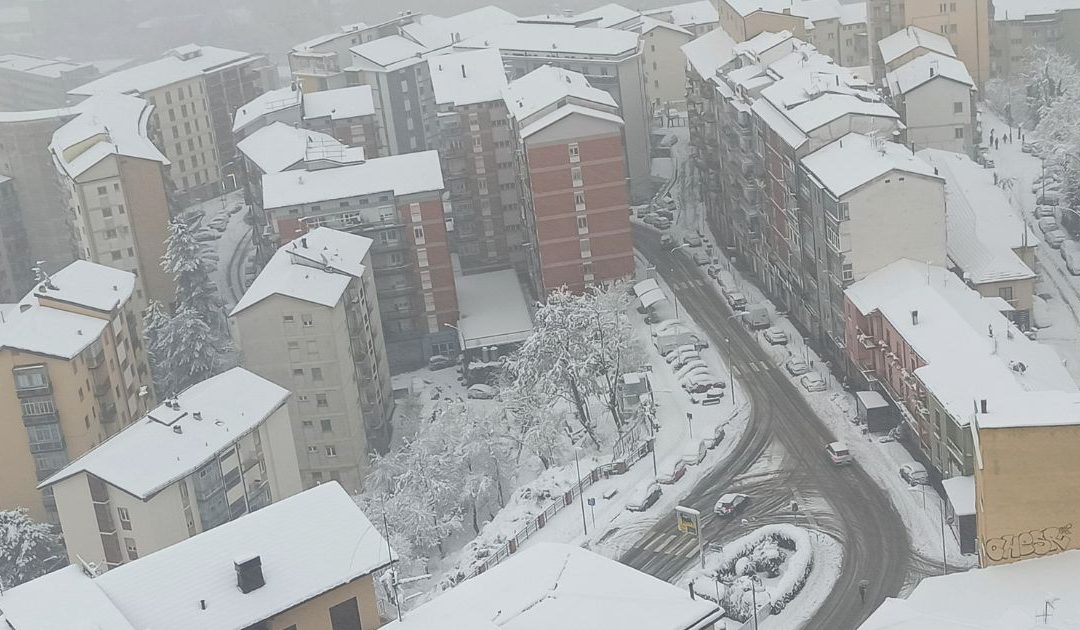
(546, 86)
(179, 64)
(389, 53)
(493, 309)
(404, 174)
(40, 66)
(1021, 9)
(871, 399)
(264, 104)
(961, 493)
(150, 454)
(689, 13)
(433, 31)
(468, 77)
(556, 40)
(347, 102)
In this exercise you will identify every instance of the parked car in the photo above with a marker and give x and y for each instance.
(701, 258)
(796, 367)
(205, 236)
(662, 223)
(1027, 147)
(665, 214)
(1054, 238)
(776, 337)
(698, 342)
(711, 396)
(440, 362)
(645, 498)
(1042, 212)
(1070, 253)
(812, 382)
(736, 300)
(701, 384)
(666, 240)
(690, 366)
(1049, 198)
(730, 504)
(1048, 224)
(838, 453)
(713, 271)
(914, 473)
(684, 359)
(652, 318)
(642, 212)
(672, 474)
(651, 218)
(480, 391)
(692, 240)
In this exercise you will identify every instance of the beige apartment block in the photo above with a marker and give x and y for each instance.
(310, 323)
(836, 30)
(935, 97)
(114, 180)
(966, 23)
(218, 450)
(304, 563)
(665, 65)
(78, 374)
(28, 82)
(195, 91)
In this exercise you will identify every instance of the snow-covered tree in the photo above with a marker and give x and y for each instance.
(188, 349)
(535, 426)
(155, 320)
(28, 549)
(190, 262)
(1049, 77)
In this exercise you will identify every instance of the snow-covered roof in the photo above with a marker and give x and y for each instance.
(308, 544)
(469, 77)
(151, 453)
(493, 309)
(179, 64)
(1021, 9)
(952, 335)
(90, 285)
(855, 159)
(266, 103)
(926, 68)
(912, 38)
(387, 53)
(853, 13)
(40, 66)
(982, 229)
(813, 10)
(50, 331)
(766, 41)
(278, 146)
(710, 52)
(546, 86)
(610, 15)
(1030, 409)
(689, 13)
(555, 116)
(552, 585)
(109, 124)
(432, 31)
(345, 31)
(316, 268)
(347, 102)
(1001, 597)
(556, 40)
(404, 174)
(961, 493)
(648, 24)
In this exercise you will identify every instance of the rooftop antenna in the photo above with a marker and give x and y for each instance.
(1049, 604)
(42, 276)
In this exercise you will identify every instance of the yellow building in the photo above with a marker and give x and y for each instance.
(78, 373)
(1027, 477)
(966, 23)
(305, 563)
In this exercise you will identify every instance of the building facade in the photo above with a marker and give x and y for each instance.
(78, 374)
(837, 30)
(14, 247)
(400, 203)
(568, 142)
(966, 24)
(320, 63)
(28, 82)
(216, 451)
(310, 322)
(1018, 27)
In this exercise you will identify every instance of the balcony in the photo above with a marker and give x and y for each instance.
(49, 446)
(41, 390)
(395, 290)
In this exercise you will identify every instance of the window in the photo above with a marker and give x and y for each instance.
(313, 450)
(31, 378)
(116, 254)
(847, 271)
(345, 616)
(298, 373)
(579, 201)
(582, 225)
(958, 133)
(125, 518)
(316, 374)
(288, 320)
(1006, 293)
(844, 212)
(331, 450)
(308, 424)
(587, 271)
(132, 551)
(306, 320)
(421, 257)
(102, 190)
(575, 175)
(575, 154)
(327, 425)
(586, 248)
(418, 234)
(958, 107)
(110, 233)
(320, 400)
(106, 212)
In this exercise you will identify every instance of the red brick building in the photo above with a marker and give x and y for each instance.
(570, 157)
(398, 202)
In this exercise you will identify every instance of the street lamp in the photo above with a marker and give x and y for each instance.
(673, 295)
(581, 493)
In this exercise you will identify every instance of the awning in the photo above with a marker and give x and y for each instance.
(961, 493)
(652, 297)
(645, 286)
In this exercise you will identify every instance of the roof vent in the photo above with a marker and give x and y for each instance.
(982, 406)
(24, 307)
(249, 575)
(197, 415)
(177, 429)
(914, 318)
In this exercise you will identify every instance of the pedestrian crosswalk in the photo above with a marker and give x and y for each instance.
(743, 369)
(686, 284)
(684, 545)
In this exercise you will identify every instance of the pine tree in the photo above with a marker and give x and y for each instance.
(28, 549)
(155, 321)
(190, 262)
(191, 350)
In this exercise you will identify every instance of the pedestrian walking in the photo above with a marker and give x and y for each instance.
(863, 585)
(997, 143)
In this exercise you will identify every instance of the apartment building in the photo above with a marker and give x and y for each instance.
(14, 248)
(966, 24)
(305, 562)
(910, 43)
(218, 450)
(437, 33)
(935, 97)
(610, 60)
(569, 146)
(697, 17)
(113, 178)
(29, 82)
(572, 583)
(78, 373)
(837, 30)
(1019, 26)
(477, 159)
(989, 245)
(320, 63)
(400, 203)
(310, 323)
(664, 65)
(195, 90)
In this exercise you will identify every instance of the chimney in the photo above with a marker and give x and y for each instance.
(249, 575)
(931, 71)
(463, 73)
(982, 406)
(197, 415)
(24, 307)
(177, 429)
(303, 242)
(202, 604)
(914, 318)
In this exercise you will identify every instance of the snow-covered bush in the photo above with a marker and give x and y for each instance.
(28, 549)
(777, 551)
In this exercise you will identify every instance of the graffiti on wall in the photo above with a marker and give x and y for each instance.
(1038, 542)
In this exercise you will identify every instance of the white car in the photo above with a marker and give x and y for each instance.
(692, 241)
(796, 367)
(914, 473)
(730, 503)
(690, 367)
(838, 453)
(812, 382)
(1044, 212)
(1048, 224)
(696, 375)
(776, 337)
(480, 391)
(701, 259)
(1054, 238)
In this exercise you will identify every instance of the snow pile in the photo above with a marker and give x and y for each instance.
(774, 559)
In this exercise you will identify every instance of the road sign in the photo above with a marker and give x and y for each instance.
(688, 519)
(592, 501)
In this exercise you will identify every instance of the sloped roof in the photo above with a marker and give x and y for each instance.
(925, 68)
(547, 85)
(117, 125)
(266, 103)
(911, 38)
(855, 159)
(179, 64)
(402, 174)
(468, 77)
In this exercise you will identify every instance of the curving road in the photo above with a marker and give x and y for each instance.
(779, 458)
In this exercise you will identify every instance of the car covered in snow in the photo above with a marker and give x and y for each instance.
(481, 391)
(812, 382)
(697, 384)
(685, 358)
(691, 366)
(672, 473)
(1043, 212)
(1049, 198)
(711, 396)
(692, 240)
(440, 362)
(1048, 224)
(914, 473)
(730, 503)
(776, 337)
(838, 453)
(736, 300)
(1055, 238)
(698, 342)
(662, 223)
(796, 366)
(645, 498)
(651, 218)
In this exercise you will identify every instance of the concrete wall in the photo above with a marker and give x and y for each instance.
(314, 614)
(665, 68)
(965, 22)
(930, 114)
